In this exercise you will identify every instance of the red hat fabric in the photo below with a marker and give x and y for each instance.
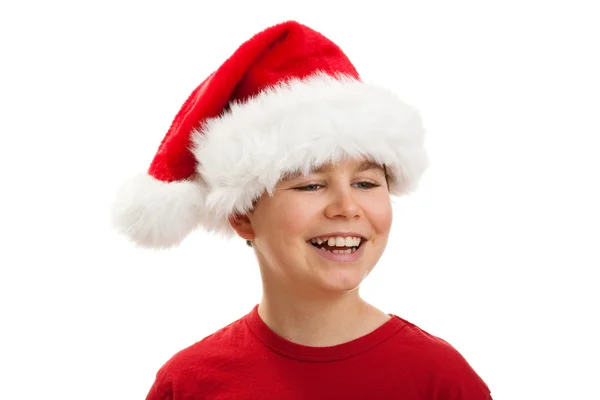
(287, 100)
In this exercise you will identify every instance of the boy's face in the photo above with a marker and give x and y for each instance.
(292, 230)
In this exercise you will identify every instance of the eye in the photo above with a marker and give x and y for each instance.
(308, 188)
(366, 185)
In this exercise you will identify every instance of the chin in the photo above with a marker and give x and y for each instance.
(344, 278)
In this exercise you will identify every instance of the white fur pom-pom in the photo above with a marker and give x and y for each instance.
(157, 214)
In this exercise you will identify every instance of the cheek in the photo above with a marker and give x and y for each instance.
(295, 216)
(381, 215)
(284, 219)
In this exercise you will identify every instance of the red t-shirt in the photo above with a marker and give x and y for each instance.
(247, 360)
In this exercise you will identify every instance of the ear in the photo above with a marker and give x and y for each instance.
(242, 225)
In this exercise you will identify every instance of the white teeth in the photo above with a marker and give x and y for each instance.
(338, 241)
(353, 241)
(347, 251)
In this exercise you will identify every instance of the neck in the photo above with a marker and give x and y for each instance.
(319, 322)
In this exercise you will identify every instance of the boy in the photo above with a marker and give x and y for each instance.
(286, 147)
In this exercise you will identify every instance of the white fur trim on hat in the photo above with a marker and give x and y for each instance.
(298, 125)
(158, 214)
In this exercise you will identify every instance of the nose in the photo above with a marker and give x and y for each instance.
(342, 204)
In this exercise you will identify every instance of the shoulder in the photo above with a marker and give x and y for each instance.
(217, 345)
(440, 363)
(189, 365)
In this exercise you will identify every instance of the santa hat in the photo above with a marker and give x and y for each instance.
(287, 100)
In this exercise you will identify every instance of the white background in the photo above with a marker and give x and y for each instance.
(496, 253)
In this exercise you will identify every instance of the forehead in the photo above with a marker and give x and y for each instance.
(354, 165)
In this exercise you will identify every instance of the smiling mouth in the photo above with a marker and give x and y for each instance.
(338, 245)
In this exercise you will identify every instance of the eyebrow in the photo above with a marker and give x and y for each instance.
(364, 166)
(367, 165)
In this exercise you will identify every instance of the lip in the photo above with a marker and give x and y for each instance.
(340, 258)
